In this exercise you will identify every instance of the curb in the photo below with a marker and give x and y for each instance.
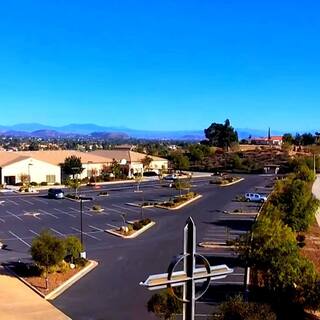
(215, 245)
(133, 235)
(181, 205)
(242, 213)
(63, 287)
(231, 183)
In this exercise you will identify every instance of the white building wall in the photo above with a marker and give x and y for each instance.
(38, 170)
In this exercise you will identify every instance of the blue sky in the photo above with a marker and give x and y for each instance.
(165, 65)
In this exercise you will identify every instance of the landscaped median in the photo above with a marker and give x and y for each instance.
(216, 244)
(58, 282)
(57, 264)
(179, 201)
(132, 229)
(226, 181)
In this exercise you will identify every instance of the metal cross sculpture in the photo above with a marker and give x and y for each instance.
(190, 275)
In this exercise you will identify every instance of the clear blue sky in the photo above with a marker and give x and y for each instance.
(166, 64)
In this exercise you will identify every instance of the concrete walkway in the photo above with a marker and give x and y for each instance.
(19, 302)
(316, 193)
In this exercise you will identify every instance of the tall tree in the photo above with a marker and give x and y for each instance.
(221, 135)
(146, 161)
(72, 165)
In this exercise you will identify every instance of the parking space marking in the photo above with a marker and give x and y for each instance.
(37, 234)
(15, 203)
(14, 215)
(68, 214)
(86, 233)
(26, 201)
(57, 232)
(111, 225)
(125, 208)
(42, 201)
(49, 214)
(20, 239)
(2, 220)
(96, 228)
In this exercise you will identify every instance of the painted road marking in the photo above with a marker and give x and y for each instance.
(68, 214)
(96, 228)
(20, 239)
(14, 215)
(2, 220)
(15, 203)
(127, 209)
(26, 201)
(58, 232)
(86, 233)
(37, 234)
(49, 214)
(78, 211)
(42, 201)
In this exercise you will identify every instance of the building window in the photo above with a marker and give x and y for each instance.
(51, 178)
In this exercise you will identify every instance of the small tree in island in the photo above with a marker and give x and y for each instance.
(72, 166)
(47, 251)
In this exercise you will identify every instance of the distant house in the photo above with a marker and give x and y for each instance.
(274, 140)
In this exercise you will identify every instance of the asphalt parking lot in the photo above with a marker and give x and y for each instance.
(112, 291)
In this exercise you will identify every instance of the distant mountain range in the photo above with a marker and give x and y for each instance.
(77, 130)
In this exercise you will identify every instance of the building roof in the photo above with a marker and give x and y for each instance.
(129, 156)
(7, 158)
(55, 157)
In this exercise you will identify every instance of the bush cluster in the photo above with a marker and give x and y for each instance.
(137, 225)
(49, 251)
(272, 249)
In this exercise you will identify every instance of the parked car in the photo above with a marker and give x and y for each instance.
(255, 197)
(55, 194)
(171, 177)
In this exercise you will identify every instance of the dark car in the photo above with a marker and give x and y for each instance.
(55, 194)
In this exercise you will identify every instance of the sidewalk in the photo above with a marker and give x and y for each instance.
(18, 302)
(316, 193)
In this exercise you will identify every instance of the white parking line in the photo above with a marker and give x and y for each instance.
(42, 201)
(15, 203)
(111, 225)
(78, 211)
(28, 202)
(58, 232)
(49, 214)
(14, 215)
(2, 220)
(17, 237)
(37, 234)
(86, 233)
(68, 214)
(96, 228)
(125, 208)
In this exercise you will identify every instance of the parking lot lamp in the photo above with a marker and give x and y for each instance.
(83, 253)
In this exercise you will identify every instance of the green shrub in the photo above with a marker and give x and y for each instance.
(73, 248)
(137, 225)
(145, 221)
(47, 250)
(33, 183)
(237, 309)
(43, 183)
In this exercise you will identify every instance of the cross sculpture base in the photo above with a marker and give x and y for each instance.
(190, 275)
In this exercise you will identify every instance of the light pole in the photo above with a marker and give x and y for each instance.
(83, 253)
